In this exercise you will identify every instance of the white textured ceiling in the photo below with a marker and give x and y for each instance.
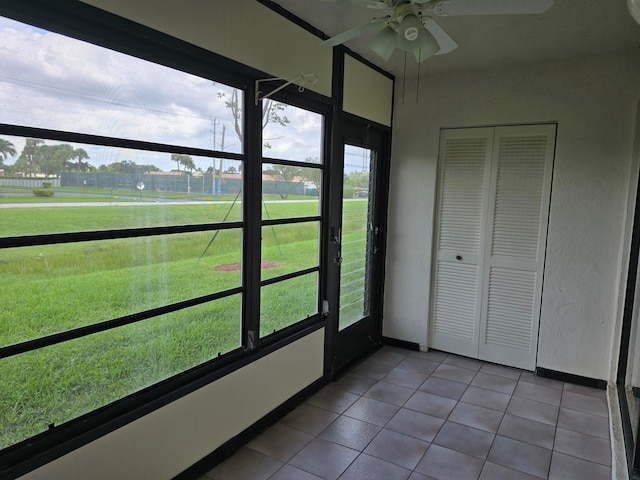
(571, 28)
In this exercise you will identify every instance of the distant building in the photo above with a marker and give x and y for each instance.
(165, 174)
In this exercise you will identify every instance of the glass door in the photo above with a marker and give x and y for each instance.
(356, 247)
(356, 244)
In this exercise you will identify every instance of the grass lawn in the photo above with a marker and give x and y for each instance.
(48, 289)
(135, 214)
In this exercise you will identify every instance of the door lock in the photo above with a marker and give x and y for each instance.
(335, 234)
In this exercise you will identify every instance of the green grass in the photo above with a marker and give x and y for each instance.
(59, 383)
(10, 194)
(49, 289)
(116, 192)
(17, 221)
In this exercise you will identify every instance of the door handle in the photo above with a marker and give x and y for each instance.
(458, 257)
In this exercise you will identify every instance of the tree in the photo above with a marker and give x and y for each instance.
(271, 113)
(284, 176)
(6, 150)
(147, 168)
(175, 157)
(231, 169)
(357, 180)
(124, 166)
(28, 157)
(185, 160)
(187, 163)
(51, 159)
(79, 154)
(314, 175)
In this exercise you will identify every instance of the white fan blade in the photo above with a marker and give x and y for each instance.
(354, 32)
(446, 43)
(491, 7)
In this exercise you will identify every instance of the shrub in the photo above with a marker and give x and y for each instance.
(46, 184)
(43, 192)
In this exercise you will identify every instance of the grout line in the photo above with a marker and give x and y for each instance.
(458, 401)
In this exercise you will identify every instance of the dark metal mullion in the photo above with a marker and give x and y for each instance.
(292, 163)
(74, 237)
(289, 276)
(59, 135)
(381, 205)
(288, 221)
(323, 253)
(252, 204)
(333, 191)
(80, 332)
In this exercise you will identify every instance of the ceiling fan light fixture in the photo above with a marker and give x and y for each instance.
(414, 37)
(429, 47)
(410, 33)
(384, 43)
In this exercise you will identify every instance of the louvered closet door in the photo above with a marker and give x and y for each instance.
(465, 156)
(516, 236)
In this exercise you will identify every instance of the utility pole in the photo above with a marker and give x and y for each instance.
(213, 160)
(219, 186)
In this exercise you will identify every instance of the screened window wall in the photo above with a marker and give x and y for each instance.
(124, 250)
(292, 170)
(122, 235)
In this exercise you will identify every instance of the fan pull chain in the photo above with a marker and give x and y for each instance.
(418, 81)
(404, 77)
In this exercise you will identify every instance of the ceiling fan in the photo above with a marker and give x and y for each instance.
(411, 27)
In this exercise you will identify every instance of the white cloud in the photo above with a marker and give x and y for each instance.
(298, 140)
(51, 81)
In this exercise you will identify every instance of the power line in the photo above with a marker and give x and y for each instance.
(59, 91)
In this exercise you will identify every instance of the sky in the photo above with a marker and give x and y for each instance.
(51, 81)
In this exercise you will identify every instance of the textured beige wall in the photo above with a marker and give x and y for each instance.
(367, 93)
(594, 100)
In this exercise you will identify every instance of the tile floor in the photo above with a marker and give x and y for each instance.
(411, 415)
